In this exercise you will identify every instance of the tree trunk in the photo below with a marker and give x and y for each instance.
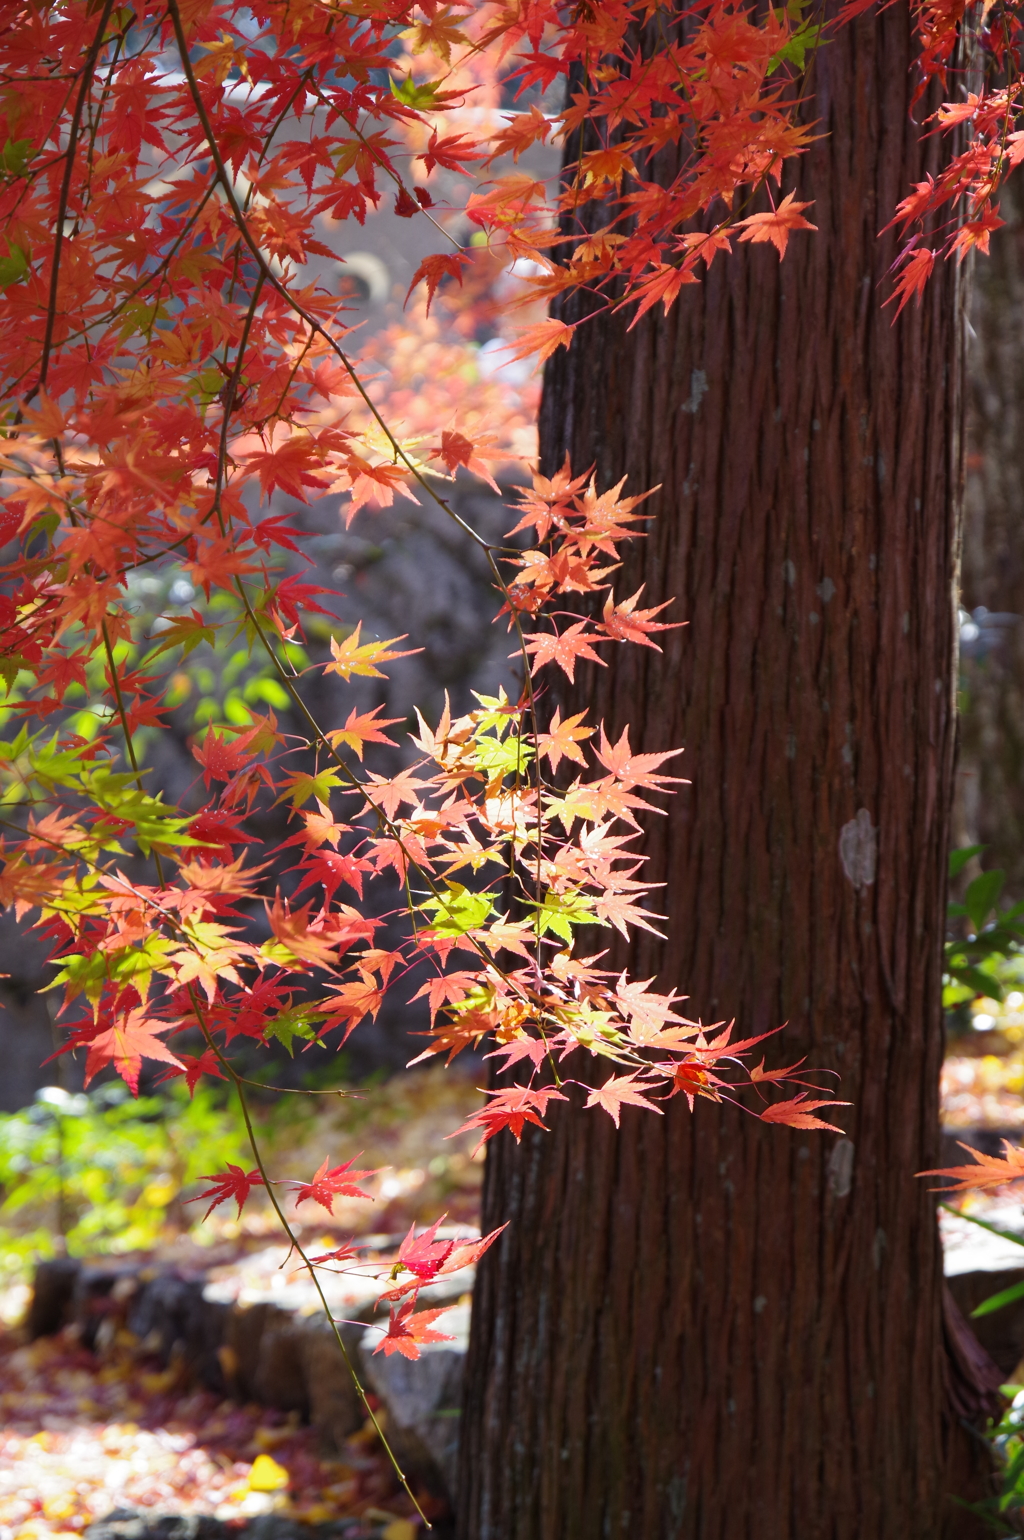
(990, 802)
(704, 1326)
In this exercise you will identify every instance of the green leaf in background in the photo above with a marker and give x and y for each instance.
(13, 267)
(794, 50)
(977, 981)
(299, 1022)
(958, 859)
(980, 898)
(457, 910)
(561, 911)
(997, 1301)
(14, 156)
(418, 94)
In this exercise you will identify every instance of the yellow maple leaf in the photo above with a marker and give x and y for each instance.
(354, 657)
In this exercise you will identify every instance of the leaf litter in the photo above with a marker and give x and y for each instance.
(81, 1438)
(84, 1435)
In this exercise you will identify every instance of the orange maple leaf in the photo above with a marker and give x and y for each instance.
(288, 466)
(353, 1002)
(625, 623)
(562, 739)
(127, 1040)
(363, 729)
(574, 642)
(987, 1171)
(634, 769)
(796, 1113)
(777, 225)
(543, 339)
(520, 132)
(354, 657)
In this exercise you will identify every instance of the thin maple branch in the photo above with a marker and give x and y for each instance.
(298, 1247)
(88, 69)
(285, 293)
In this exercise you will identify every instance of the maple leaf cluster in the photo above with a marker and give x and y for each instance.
(180, 364)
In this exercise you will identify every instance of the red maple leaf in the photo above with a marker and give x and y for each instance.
(124, 1043)
(511, 1109)
(426, 1257)
(465, 1253)
(406, 1330)
(221, 758)
(423, 1254)
(194, 1069)
(332, 869)
(912, 281)
(435, 268)
(232, 1183)
(450, 152)
(348, 1251)
(219, 829)
(338, 1182)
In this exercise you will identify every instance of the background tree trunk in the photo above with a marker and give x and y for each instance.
(704, 1326)
(990, 800)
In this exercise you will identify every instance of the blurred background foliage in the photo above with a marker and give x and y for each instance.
(100, 1172)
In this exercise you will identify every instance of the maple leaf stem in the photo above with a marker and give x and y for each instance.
(115, 684)
(88, 70)
(230, 397)
(296, 1244)
(534, 731)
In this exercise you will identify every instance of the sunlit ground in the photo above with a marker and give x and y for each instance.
(81, 1437)
(80, 1441)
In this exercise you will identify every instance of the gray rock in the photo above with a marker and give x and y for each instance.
(160, 1312)
(98, 1297)
(127, 1524)
(423, 1400)
(279, 1378)
(239, 1352)
(53, 1289)
(275, 1526)
(334, 1404)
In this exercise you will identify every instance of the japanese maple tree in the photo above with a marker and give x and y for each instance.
(174, 363)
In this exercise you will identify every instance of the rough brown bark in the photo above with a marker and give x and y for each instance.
(706, 1327)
